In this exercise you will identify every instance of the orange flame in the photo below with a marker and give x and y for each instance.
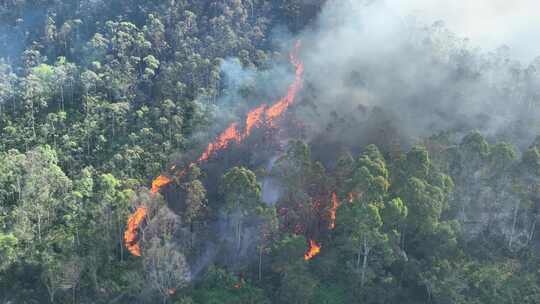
(130, 235)
(159, 182)
(333, 209)
(261, 114)
(313, 250)
(255, 118)
(224, 139)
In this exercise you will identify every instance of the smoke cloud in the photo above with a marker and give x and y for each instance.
(367, 62)
(487, 23)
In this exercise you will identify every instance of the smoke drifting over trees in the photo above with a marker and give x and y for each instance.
(424, 78)
(287, 151)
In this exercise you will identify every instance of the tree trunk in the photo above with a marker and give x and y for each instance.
(260, 262)
(39, 226)
(121, 244)
(62, 98)
(112, 123)
(51, 295)
(514, 222)
(239, 235)
(364, 263)
(73, 293)
(32, 118)
(533, 228)
(358, 256)
(492, 212)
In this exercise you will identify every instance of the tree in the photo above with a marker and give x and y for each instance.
(221, 287)
(195, 199)
(297, 285)
(43, 195)
(501, 178)
(166, 268)
(361, 227)
(361, 223)
(242, 195)
(8, 250)
(466, 169)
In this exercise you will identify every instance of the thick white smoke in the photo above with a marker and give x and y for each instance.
(487, 23)
(366, 54)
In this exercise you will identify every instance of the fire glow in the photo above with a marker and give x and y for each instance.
(333, 209)
(313, 250)
(130, 236)
(262, 115)
(159, 182)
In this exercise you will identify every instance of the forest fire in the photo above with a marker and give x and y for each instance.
(333, 209)
(224, 139)
(313, 250)
(130, 236)
(262, 115)
(159, 182)
(254, 118)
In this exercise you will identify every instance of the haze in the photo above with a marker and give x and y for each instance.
(487, 23)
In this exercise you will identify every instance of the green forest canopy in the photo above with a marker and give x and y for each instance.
(99, 97)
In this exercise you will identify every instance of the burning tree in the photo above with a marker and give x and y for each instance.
(297, 284)
(307, 196)
(262, 116)
(361, 230)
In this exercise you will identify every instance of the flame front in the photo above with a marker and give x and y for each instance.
(254, 118)
(260, 115)
(257, 117)
(313, 250)
(333, 209)
(283, 104)
(224, 139)
(130, 235)
(159, 182)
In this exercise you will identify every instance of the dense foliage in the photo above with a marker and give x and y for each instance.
(98, 97)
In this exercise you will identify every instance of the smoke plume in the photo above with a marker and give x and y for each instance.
(369, 68)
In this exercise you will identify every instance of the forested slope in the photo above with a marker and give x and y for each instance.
(97, 98)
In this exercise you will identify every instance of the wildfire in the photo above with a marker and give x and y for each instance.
(257, 117)
(260, 115)
(130, 235)
(159, 182)
(313, 250)
(224, 139)
(333, 209)
(254, 118)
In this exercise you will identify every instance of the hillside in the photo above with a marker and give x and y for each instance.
(253, 151)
